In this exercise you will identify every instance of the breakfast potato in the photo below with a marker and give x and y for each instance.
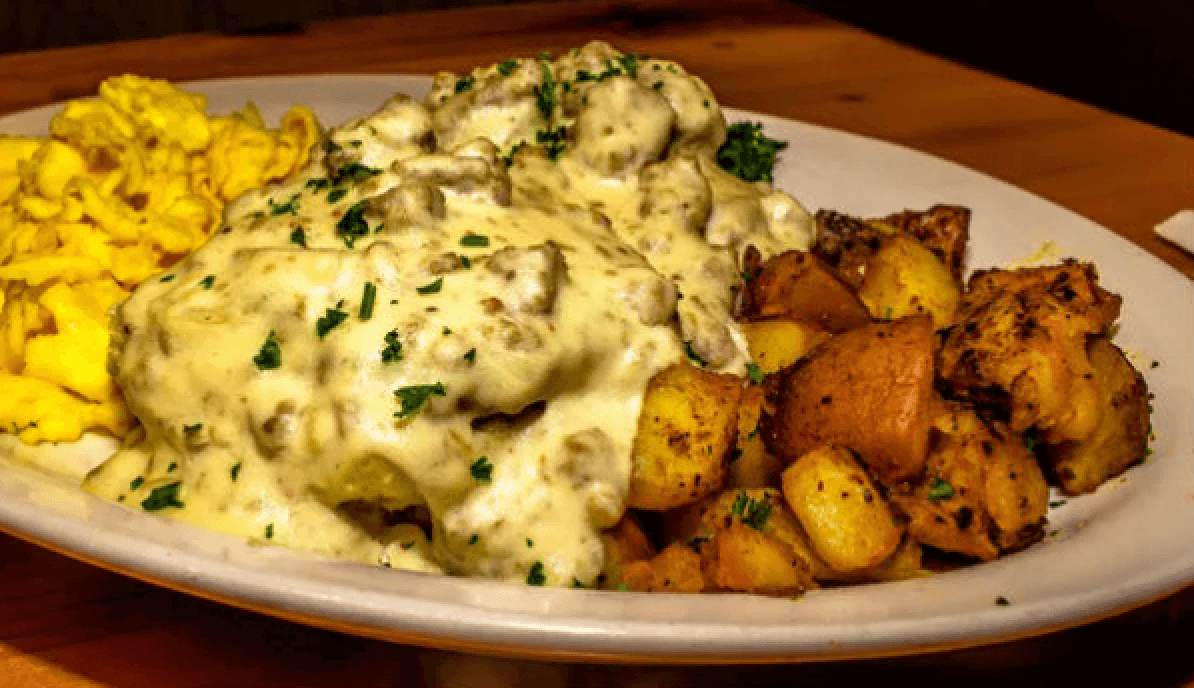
(1019, 347)
(795, 285)
(776, 344)
(749, 541)
(982, 492)
(869, 390)
(676, 569)
(848, 522)
(686, 430)
(1121, 438)
(750, 464)
(625, 543)
(905, 278)
(943, 229)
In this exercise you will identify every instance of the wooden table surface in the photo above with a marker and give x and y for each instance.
(64, 623)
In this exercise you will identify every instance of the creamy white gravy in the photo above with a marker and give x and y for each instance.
(519, 307)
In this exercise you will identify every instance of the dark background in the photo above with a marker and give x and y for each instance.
(1135, 58)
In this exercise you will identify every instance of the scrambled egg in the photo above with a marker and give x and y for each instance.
(125, 186)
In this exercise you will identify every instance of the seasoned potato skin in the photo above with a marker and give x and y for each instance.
(686, 430)
(775, 559)
(676, 569)
(869, 390)
(844, 514)
(1121, 438)
(1019, 346)
(795, 285)
(848, 243)
(997, 497)
(943, 229)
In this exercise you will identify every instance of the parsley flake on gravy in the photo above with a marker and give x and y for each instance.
(432, 288)
(392, 352)
(537, 575)
(270, 355)
(368, 299)
(412, 399)
(163, 497)
(481, 470)
(940, 490)
(747, 153)
(330, 320)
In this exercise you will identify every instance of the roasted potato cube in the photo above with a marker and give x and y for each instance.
(676, 569)
(848, 244)
(686, 429)
(1019, 346)
(943, 229)
(1121, 438)
(776, 344)
(905, 278)
(750, 464)
(625, 543)
(982, 491)
(848, 522)
(750, 542)
(797, 286)
(869, 390)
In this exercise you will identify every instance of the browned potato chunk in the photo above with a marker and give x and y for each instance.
(685, 432)
(943, 229)
(676, 569)
(750, 542)
(750, 464)
(1020, 346)
(1121, 438)
(846, 518)
(982, 492)
(905, 278)
(625, 543)
(869, 390)
(797, 286)
(776, 344)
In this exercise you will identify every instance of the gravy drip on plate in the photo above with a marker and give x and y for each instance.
(447, 324)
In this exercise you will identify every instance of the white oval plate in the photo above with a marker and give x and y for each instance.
(1129, 543)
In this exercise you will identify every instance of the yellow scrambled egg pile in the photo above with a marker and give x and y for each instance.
(125, 186)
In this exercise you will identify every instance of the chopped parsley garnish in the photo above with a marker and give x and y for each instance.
(330, 319)
(392, 353)
(1030, 443)
(298, 236)
(167, 278)
(288, 208)
(415, 397)
(446, 330)
(755, 373)
(553, 141)
(1155, 364)
(173, 465)
(940, 489)
(507, 67)
(332, 147)
(368, 300)
(1054, 505)
(629, 63)
(545, 93)
(465, 83)
(163, 497)
(753, 513)
(465, 262)
(192, 430)
(1001, 601)
(352, 172)
(318, 184)
(471, 355)
(748, 154)
(474, 240)
(270, 356)
(269, 532)
(474, 539)
(352, 225)
(536, 576)
(432, 288)
(336, 194)
(481, 470)
(207, 282)
(530, 542)
(693, 355)
(234, 472)
(508, 158)
(136, 482)
(658, 85)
